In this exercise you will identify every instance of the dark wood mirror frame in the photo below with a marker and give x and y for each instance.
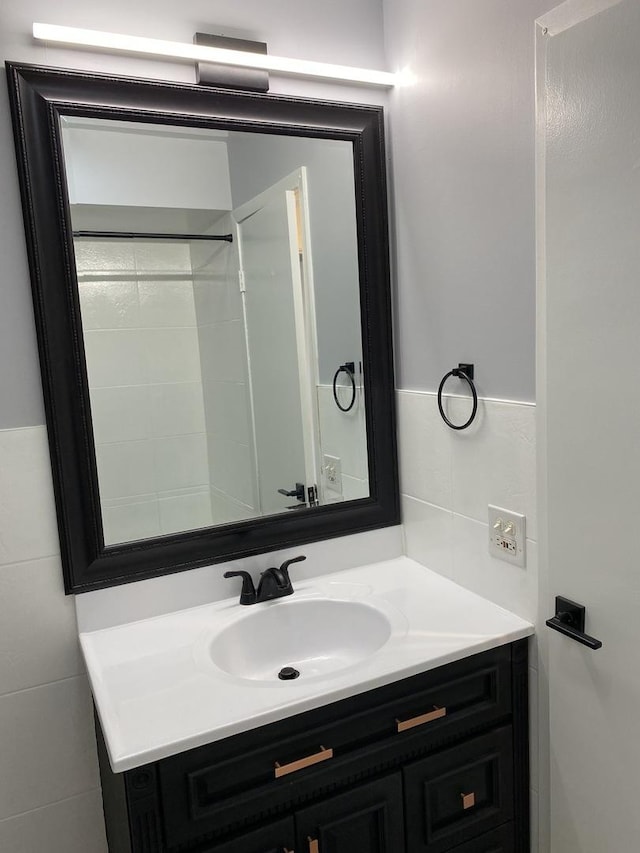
(39, 96)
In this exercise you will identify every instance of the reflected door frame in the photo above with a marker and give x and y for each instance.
(295, 188)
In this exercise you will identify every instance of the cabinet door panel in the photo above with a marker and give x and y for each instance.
(367, 819)
(459, 793)
(277, 837)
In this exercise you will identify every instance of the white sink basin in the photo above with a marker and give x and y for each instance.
(170, 683)
(314, 636)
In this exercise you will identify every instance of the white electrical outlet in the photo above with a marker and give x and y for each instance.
(507, 535)
(332, 466)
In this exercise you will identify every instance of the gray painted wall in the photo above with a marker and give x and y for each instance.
(462, 182)
(348, 33)
(462, 148)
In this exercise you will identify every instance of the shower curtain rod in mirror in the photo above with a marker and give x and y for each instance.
(136, 235)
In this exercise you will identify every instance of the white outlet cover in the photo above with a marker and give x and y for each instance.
(332, 466)
(507, 536)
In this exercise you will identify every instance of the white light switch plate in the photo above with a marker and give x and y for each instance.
(507, 535)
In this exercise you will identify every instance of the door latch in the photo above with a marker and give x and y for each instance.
(297, 493)
(569, 620)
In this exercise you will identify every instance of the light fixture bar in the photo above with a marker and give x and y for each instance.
(201, 53)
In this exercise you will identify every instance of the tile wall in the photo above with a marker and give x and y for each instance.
(50, 798)
(447, 480)
(49, 784)
(141, 340)
(223, 357)
(344, 435)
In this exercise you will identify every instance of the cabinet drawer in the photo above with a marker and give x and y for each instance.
(500, 840)
(276, 837)
(252, 773)
(459, 793)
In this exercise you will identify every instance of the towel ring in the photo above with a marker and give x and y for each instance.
(462, 371)
(349, 368)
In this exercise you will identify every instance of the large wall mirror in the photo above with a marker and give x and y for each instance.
(210, 277)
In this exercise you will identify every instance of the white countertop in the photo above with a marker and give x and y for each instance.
(158, 692)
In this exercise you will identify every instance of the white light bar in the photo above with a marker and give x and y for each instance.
(201, 53)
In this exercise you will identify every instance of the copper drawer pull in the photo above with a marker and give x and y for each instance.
(468, 800)
(429, 717)
(301, 763)
(314, 846)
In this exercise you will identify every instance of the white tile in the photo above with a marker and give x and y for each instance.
(126, 501)
(424, 447)
(225, 509)
(166, 303)
(176, 409)
(507, 585)
(216, 285)
(212, 257)
(38, 634)
(428, 534)
(223, 352)
(231, 469)
(104, 256)
(28, 526)
(171, 355)
(343, 434)
(354, 489)
(227, 410)
(109, 304)
(494, 461)
(74, 825)
(120, 413)
(114, 357)
(217, 296)
(126, 469)
(156, 256)
(144, 599)
(130, 521)
(48, 745)
(185, 512)
(187, 490)
(181, 461)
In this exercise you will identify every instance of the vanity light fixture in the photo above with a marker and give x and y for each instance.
(201, 53)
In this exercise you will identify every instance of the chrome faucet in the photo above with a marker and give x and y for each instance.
(274, 583)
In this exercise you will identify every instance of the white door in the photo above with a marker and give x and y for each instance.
(280, 352)
(589, 407)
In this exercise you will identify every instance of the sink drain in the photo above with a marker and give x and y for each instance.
(288, 673)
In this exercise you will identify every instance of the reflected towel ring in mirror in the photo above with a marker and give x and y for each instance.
(462, 371)
(349, 368)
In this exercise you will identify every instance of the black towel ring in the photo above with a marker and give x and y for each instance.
(349, 368)
(462, 371)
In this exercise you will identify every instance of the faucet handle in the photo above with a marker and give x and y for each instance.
(284, 568)
(248, 594)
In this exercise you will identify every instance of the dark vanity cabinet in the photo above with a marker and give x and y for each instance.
(433, 763)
